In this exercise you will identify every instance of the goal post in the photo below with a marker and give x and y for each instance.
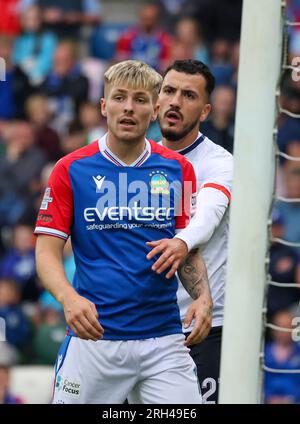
(254, 170)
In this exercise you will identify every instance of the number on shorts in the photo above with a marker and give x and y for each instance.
(212, 384)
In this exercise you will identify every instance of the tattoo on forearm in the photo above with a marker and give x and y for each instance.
(193, 275)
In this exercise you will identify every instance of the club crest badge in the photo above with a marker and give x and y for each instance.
(159, 183)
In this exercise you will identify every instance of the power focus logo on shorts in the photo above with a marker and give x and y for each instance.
(68, 387)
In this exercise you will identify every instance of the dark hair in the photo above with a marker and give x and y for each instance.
(194, 67)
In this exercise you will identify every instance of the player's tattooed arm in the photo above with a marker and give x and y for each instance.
(193, 275)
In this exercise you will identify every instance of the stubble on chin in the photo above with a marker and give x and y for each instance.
(171, 134)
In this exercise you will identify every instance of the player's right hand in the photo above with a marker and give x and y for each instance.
(82, 317)
(200, 310)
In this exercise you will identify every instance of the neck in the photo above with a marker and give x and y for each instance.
(183, 142)
(126, 151)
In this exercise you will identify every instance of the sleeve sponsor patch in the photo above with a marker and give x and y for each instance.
(46, 199)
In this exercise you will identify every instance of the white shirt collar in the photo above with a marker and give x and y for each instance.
(199, 135)
(108, 154)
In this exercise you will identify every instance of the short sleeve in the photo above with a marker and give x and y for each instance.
(56, 211)
(218, 175)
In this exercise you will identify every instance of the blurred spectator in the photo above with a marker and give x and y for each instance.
(146, 41)
(19, 167)
(284, 268)
(220, 125)
(290, 211)
(219, 19)
(18, 330)
(172, 11)
(234, 60)
(49, 336)
(6, 397)
(288, 130)
(94, 69)
(66, 17)
(24, 4)
(34, 49)
(51, 331)
(188, 32)
(91, 120)
(153, 132)
(294, 93)
(74, 139)
(10, 19)
(293, 15)
(104, 38)
(38, 112)
(288, 127)
(65, 86)
(282, 353)
(19, 262)
(221, 66)
(180, 51)
(16, 88)
(292, 147)
(43, 182)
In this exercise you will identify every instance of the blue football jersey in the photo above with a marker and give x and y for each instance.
(111, 210)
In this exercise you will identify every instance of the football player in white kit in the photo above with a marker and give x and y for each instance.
(184, 104)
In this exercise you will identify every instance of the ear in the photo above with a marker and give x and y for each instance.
(103, 106)
(155, 112)
(205, 112)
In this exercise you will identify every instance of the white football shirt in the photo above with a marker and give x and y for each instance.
(208, 229)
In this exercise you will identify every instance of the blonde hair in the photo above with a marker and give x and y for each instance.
(134, 74)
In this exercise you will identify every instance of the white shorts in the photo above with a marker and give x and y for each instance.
(157, 370)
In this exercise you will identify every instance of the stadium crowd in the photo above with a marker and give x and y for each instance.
(55, 55)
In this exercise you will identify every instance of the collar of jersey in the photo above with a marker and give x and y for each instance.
(199, 139)
(109, 155)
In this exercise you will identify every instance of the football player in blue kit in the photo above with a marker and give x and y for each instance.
(124, 337)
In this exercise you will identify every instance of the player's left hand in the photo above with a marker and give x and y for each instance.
(174, 251)
(200, 310)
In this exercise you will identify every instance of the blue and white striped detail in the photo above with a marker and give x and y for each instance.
(193, 146)
(51, 232)
(108, 154)
(61, 356)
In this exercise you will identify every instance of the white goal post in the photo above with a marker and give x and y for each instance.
(254, 170)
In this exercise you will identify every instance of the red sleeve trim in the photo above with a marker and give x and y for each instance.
(218, 187)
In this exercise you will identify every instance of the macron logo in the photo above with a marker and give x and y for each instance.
(98, 181)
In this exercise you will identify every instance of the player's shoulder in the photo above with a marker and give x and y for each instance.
(215, 150)
(211, 156)
(168, 153)
(78, 154)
